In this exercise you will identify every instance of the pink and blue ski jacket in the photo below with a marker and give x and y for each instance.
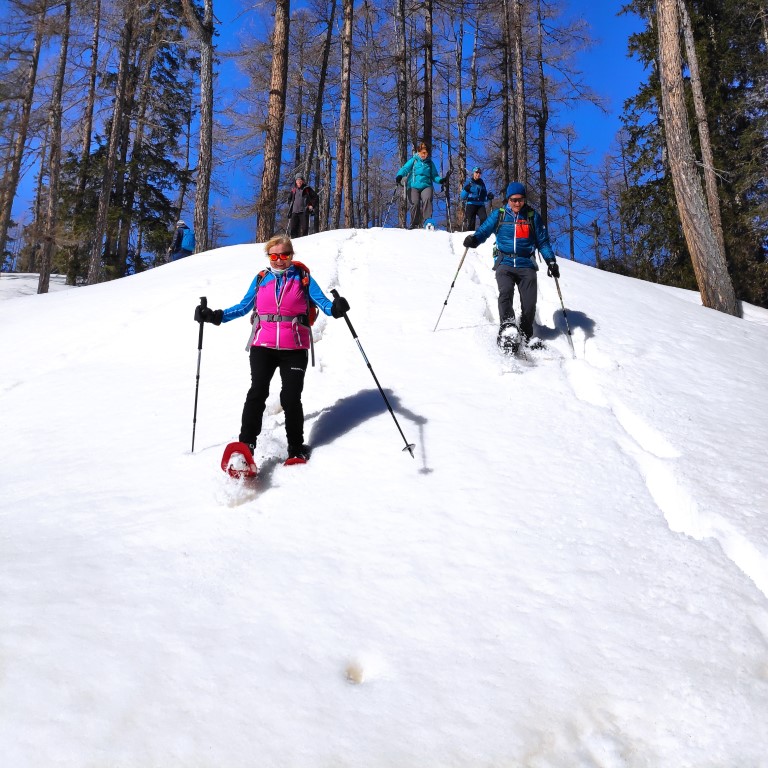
(279, 309)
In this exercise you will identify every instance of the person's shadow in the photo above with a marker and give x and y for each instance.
(351, 412)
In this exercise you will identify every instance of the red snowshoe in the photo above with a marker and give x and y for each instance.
(238, 462)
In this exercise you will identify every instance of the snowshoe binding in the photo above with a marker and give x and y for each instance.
(298, 454)
(238, 461)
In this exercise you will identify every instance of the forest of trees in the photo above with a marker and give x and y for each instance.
(116, 110)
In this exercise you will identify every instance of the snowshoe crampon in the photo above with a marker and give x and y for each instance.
(509, 339)
(238, 462)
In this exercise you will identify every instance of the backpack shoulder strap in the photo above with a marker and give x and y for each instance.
(303, 271)
(531, 215)
(500, 219)
(311, 308)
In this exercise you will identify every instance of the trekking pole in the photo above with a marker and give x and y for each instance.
(445, 303)
(565, 315)
(389, 207)
(199, 318)
(448, 201)
(408, 446)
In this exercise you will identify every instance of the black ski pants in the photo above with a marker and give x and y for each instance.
(264, 362)
(299, 224)
(474, 210)
(525, 280)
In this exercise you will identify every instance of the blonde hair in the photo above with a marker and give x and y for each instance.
(277, 240)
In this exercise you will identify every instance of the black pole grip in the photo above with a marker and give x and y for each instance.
(203, 305)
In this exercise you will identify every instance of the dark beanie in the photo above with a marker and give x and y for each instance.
(515, 188)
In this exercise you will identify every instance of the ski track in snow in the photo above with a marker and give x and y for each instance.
(654, 457)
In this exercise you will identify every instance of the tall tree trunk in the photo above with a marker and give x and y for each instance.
(73, 267)
(402, 96)
(521, 145)
(699, 105)
(273, 143)
(542, 120)
(204, 31)
(508, 153)
(317, 120)
(364, 218)
(343, 140)
(11, 183)
(428, 65)
(100, 228)
(708, 265)
(127, 213)
(54, 162)
(182, 196)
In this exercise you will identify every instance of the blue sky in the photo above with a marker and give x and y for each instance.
(606, 67)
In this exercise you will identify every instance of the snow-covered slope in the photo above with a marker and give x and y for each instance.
(572, 571)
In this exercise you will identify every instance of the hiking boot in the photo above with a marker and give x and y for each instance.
(536, 343)
(299, 452)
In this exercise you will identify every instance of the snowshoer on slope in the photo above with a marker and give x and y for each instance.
(422, 174)
(280, 338)
(475, 195)
(519, 232)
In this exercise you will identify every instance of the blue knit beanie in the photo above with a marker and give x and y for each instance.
(515, 188)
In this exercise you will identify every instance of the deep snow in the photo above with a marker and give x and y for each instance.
(572, 571)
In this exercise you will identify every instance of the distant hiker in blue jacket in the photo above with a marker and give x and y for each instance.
(422, 174)
(183, 242)
(519, 232)
(475, 195)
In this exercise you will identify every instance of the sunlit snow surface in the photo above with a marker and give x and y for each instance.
(571, 571)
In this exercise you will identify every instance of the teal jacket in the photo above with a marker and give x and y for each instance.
(421, 173)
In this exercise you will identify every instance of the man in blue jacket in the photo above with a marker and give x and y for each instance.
(519, 232)
(475, 196)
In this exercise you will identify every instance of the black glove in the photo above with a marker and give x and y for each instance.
(208, 315)
(552, 269)
(339, 307)
(445, 178)
(398, 179)
(467, 187)
(470, 241)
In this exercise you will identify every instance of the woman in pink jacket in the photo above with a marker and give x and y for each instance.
(280, 300)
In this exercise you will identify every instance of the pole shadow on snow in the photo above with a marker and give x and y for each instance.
(353, 411)
(576, 320)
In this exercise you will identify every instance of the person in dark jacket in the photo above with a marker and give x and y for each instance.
(278, 303)
(519, 232)
(183, 242)
(302, 201)
(475, 195)
(422, 174)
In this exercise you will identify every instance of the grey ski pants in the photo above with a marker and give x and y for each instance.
(525, 280)
(421, 206)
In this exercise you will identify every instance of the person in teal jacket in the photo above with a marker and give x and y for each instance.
(519, 232)
(422, 174)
